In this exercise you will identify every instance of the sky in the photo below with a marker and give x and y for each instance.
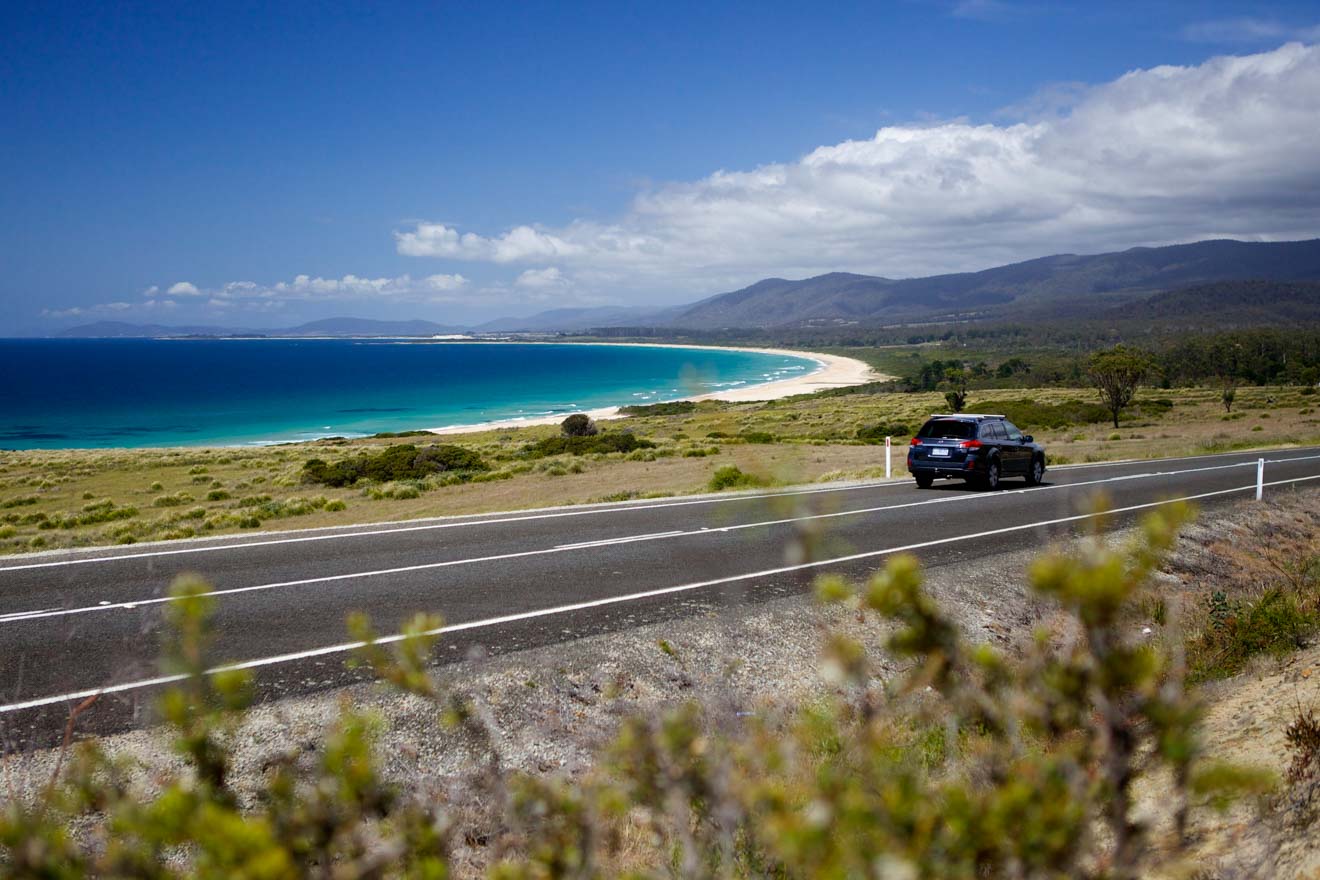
(258, 165)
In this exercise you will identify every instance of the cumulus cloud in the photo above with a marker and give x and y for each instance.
(1161, 155)
(182, 288)
(519, 243)
(538, 278)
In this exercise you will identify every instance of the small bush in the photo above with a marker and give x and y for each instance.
(578, 425)
(217, 495)
(336, 505)
(22, 501)
(1237, 630)
(177, 500)
(1303, 742)
(757, 437)
(731, 477)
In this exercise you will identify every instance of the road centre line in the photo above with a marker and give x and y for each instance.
(557, 513)
(132, 604)
(345, 647)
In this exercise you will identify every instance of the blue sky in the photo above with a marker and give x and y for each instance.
(464, 161)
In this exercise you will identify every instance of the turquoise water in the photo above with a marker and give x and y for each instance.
(98, 393)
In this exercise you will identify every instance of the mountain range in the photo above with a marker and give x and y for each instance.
(1220, 281)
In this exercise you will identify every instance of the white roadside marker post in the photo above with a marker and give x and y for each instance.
(1260, 478)
(888, 447)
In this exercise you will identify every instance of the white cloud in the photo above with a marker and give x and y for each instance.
(182, 288)
(446, 282)
(1163, 155)
(519, 243)
(539, 278)
(1248, 30)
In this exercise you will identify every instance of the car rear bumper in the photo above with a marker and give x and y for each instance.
(943, 469)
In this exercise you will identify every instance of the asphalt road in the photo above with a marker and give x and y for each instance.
(82, 622)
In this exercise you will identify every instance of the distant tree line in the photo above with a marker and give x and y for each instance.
(1264, 356)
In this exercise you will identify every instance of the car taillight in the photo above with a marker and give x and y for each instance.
(970, 444)
(916, 441)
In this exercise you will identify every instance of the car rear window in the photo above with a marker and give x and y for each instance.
(948, 429)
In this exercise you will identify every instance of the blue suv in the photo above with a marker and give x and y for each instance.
(980, 449)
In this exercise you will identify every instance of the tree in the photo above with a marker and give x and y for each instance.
(955, 379)
(1227, 396)
(578, 425)
(1117, 374)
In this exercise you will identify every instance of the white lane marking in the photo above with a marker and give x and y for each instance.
(23, 615)
(623, 507)
(345, 647)
(129, 605)
(626, 539)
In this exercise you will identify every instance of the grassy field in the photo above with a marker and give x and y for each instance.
(51, 499)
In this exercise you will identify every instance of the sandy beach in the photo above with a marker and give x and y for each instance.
(834, 371)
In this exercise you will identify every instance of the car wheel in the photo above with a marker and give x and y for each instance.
(990, 481)
(1037, 472)
(925, 481)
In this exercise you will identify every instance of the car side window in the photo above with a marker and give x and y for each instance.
(1013, 433)
(992, 431)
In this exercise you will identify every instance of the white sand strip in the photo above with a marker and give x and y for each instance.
(834, 371)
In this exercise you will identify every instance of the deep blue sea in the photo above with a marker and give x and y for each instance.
(97, 393)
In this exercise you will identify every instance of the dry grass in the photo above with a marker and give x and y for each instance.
(171, 490)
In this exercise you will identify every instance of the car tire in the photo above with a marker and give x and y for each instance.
(990, 482)
(1037, 472)
(925, 481)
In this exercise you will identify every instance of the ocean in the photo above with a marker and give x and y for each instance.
(109, 393)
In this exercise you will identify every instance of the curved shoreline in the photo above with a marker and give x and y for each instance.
(833, 371)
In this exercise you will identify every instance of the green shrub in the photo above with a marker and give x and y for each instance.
(176, 500)
(731, 477)
(1029, 415)
(605, 442)
(1235, 631)
(578, 425)
(757, 437)
(336, 505)
(403, 462)
(21, 501)
(672, 408)
(217, 495)
(390, 435)
(878, 433)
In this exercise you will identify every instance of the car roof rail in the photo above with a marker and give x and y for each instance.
(968, 416)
